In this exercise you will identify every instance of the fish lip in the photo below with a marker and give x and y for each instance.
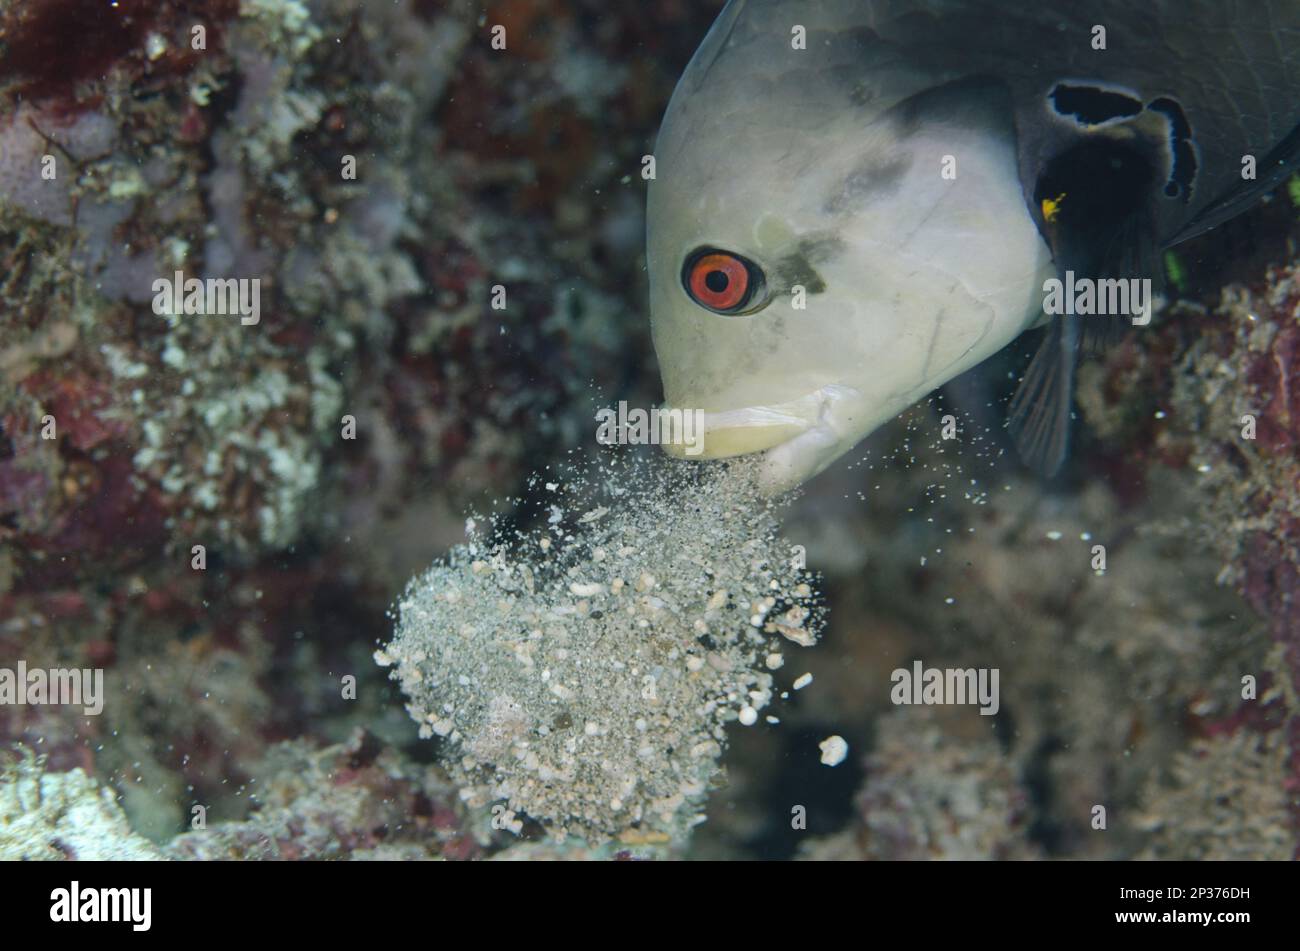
(829, 436)
(797, 439)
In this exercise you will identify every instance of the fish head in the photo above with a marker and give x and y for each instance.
(816, 266)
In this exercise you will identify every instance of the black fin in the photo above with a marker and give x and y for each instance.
(1101, 227)
(1273, 170)
(1132, 250)
(1039, 413)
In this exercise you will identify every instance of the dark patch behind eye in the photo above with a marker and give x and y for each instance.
(1089, 105)
(797, 268)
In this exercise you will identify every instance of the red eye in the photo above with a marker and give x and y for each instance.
(719, 280)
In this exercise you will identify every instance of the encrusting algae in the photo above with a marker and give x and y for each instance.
(584, 672)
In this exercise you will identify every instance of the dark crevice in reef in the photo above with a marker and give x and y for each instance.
(1044, 830)
(826, 795)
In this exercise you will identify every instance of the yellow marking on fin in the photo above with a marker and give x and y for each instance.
(1052, 207)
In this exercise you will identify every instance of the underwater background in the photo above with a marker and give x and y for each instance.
(1162, 687)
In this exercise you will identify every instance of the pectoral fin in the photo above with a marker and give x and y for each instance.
(1094, 201)
(1039, 413)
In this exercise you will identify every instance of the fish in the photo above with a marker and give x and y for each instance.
(855, 201)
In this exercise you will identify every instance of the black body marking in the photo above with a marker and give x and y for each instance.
(1091, 105)
(1182, 176)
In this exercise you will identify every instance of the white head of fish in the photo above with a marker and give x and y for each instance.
(882, 251)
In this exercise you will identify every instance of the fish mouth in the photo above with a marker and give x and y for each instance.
(798, 439)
